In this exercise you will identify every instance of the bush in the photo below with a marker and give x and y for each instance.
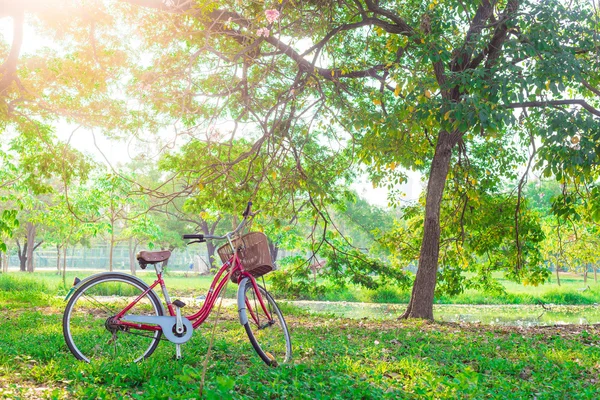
(569, 297)
(387, 295)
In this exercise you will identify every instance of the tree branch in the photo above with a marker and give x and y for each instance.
(589, 87)
(463, 56)
(578, 102)
(404, 28)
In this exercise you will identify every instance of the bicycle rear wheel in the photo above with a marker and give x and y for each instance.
(269, 336)
(87, 326)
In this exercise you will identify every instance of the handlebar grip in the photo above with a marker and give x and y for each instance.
(248, 208)
(194, 236)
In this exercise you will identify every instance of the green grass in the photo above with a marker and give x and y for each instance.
(333, 359)
(192, 286)
(570, 292)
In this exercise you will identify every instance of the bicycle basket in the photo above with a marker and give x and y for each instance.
(254, 253)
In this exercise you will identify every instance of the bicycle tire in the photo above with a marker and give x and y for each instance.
(270, 339)
(86, 328)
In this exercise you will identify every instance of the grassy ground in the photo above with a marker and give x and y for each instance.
(570, 292)
(333, 359)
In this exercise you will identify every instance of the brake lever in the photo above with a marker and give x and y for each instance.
(195, 241)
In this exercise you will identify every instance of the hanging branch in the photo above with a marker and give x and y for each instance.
(519, 197)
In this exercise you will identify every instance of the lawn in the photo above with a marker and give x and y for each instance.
(571, 290)
(334, 358)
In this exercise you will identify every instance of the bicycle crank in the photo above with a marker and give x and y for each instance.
(168, 325)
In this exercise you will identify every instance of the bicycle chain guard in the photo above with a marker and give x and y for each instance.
(167, 324)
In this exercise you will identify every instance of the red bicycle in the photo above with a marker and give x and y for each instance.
(117, 315)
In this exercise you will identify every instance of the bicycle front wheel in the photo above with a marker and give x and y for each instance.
(265, 326)
(88, 328)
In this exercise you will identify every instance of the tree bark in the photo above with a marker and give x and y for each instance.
(585, 274)
(57, 260)
(274, 250)
(132, 262)
(22, 253)
(557, 276)
(64, 269)
(31, 231)
(421, 300)
(210, 247)
(110, 252)
(4, 262)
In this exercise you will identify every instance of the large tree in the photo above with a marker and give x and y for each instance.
(417, 84)
(413, 84)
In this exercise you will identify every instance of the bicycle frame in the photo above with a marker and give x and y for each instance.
(217, 285)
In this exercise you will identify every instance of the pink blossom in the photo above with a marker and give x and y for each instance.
(272, 15)
(262, 32)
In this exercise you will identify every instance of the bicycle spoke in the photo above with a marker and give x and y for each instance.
(93, 299)
(268, 335)
(89, 329)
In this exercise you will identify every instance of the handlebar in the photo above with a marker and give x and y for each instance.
(194, 236)
(199, 238)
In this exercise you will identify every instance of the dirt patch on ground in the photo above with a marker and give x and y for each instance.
(14, 389)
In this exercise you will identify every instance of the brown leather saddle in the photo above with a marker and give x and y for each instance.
(152, 257)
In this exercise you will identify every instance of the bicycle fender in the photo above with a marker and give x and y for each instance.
(242, 302)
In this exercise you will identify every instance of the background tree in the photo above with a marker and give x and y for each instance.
(393, 84)
(415, 84)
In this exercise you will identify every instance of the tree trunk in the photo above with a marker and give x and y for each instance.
(31, 246)
(421, 300)
(57, 260)
(274, 250)
(4, 262)
(557, 276)
(585, 273)
(212, 258)
(110, 251)
(64, 269)
(210, 247)
(22, 253)
(132, 262)
(595, 273)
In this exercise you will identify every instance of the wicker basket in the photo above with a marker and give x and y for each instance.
(253, 250)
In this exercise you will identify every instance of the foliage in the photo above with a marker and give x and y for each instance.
(8, 222)
(478, 238)
(294, 280)
(346, 264)
(299, 94)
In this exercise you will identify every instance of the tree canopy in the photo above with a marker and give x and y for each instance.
(459, 91)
